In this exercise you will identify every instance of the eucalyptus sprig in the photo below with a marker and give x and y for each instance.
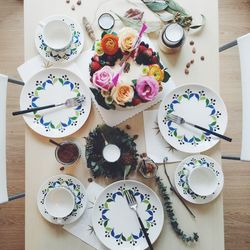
(170, 212)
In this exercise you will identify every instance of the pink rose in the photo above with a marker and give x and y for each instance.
(147, 88)
(103, 78)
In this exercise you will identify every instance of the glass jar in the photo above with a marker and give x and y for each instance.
(147, 168)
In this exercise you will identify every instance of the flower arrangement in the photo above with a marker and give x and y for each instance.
(125, 93)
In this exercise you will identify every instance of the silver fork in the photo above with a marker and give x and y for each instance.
(179, 120)
(71, 102)
(132, 202)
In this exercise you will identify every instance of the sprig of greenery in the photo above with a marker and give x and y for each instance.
(170, 212)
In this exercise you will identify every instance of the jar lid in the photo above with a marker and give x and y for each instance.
(173, 34)
(106, 21)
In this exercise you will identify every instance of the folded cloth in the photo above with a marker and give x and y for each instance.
(3, 180)
(156, 146)
(82, 228)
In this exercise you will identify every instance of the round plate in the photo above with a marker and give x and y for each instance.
(196, 104)
(54, 86)
(71, 183)
(64, 56)
(115, 223)
(181, 178)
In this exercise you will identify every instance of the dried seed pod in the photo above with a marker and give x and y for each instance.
(186, 71)
(194, 50)
(67, 1)
(191, 43)
(135, 137)
(88, 28)
(188, 65)
(61, 168)
(192, 61)
(79, 2)
(73, 7)
(90, 179)
(202, 58)
(128, 126)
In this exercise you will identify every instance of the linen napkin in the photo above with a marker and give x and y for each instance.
(3, 180)
(115, 117)
(156, 146)
(82, 228)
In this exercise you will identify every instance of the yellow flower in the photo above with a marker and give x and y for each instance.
(156, 71)
(127, 39)
(122, 93)
(98, 48)
(145, 70)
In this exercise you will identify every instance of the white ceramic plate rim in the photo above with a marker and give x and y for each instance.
(68, 20)
(198, 149)
(208, 198)
(41, 207)
(135, 183)
(82, 119)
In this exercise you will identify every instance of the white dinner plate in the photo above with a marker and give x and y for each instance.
(117, 226)
(183, 170)
(54, 86)
(63, 56)
(71, 183)
(196, 104)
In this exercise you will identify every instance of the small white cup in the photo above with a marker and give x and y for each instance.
(56, 34)
(111, 153)
(59, 203)
(202, 181)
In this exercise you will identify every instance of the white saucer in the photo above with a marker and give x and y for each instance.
(74, 185)
(181, 178)
(64, 56)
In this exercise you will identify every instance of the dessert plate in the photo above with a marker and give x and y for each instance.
(181, 178)
(54, 86)
(66, 55)
(71, 183)
(196, 104)
(116, 224)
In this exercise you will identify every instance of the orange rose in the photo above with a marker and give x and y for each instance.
(109, 44)
(122, 93)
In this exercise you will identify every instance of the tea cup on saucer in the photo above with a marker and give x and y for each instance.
(202, 181)
(56, 34)
(59, 203)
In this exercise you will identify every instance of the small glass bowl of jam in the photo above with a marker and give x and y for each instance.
(67, 153)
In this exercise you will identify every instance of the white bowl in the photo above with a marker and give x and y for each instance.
(202, 181)
(59, 202)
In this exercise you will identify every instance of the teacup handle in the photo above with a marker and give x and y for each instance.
(42, 24)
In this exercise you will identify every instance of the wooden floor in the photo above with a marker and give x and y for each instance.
(234, 22)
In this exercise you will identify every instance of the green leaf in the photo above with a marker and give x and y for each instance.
(123, 238)
(175, 133)
(157, 6)
(105, 223)
(207, 102)
(126, 171)
(106, 205)
(73, 118)
(136, 24)
(129, 238)
(109, 229)
(166, 76)
(100, 99)
(52, 125)
(202, 98)
(39, 88)
(174, 7)
(134, 81)
(60, 80)
(203, 137)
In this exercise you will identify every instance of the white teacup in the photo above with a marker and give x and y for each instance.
(111, 153)
(59, 202)
(202, 181)
(57, 34)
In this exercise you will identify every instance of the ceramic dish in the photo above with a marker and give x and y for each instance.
(54, 86)
(71, 183)
(66, 55)
(196, 104)
(116, 225)
(182, 173)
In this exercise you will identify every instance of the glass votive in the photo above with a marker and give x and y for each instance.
(67, 153)
(147, 168)
(171, 38)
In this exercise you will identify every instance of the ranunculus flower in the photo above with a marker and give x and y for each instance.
(109, 44)
(147, 88)
(103, 78)
(127, 39)
(122, 93)
(156, 71)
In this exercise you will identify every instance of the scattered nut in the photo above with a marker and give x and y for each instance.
(67, 1)
(135, 137)
(194, 50)
(79, 2)
(143, 155)
(192, 61)
(61, 168)
(90, 179)
(128, 126)
(188, 65)
(191, 43)
(186, 71)
(73, 7)
(202, 58)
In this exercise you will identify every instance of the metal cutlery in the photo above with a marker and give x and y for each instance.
(71, 102)
(179, 120)
(132, 202)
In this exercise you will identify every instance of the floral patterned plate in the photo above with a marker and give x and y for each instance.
(54, 86)
(181, 178)
(116, 225)
(196, 104)
(64, 56)
(74, 185)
